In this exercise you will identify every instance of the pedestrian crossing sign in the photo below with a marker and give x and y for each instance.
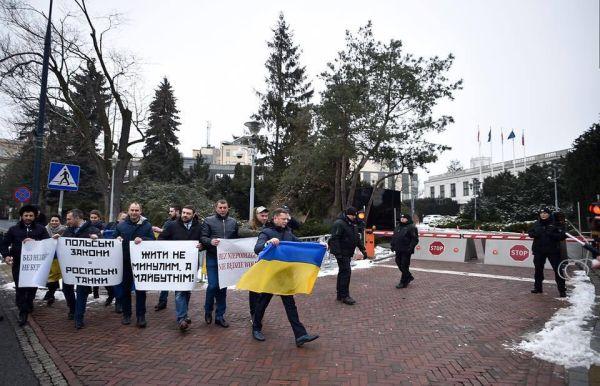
(63, 176)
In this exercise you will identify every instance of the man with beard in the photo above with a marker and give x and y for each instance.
(216, 227)
(186, 227)
(10, 248)
(174, 213)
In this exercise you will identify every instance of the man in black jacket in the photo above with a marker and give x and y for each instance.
(547, 235)
(273, 233)
(135, 228)
(186, 227)
(344, 240)
(79, 228)
(215, 227)
(404, 241)
(174, 214)
(25, 230)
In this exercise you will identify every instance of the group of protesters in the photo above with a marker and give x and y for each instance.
(131, 226)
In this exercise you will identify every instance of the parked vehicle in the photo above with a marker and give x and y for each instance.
(431, 218)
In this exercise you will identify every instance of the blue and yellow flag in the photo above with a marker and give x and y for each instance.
(287, 269)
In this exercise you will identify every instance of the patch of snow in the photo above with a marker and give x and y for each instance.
(564, 340)
(331, 268)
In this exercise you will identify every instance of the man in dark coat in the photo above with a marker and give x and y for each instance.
(344, 240)
(25, 230)
(273, 233)
(135, 228)
(185, 227)
(547, 236)
(215, 227)
(404, 241)
(79, 228)
(174, 214)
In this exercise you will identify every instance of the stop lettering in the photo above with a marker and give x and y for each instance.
(436, 248)
(519, 252)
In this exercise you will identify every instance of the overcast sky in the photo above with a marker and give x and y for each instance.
(531, 65)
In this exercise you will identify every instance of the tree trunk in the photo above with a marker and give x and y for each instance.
(334, 209)
(354, 183)
(123, 160)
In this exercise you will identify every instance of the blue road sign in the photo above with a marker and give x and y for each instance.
(63, 176)
(22, 194)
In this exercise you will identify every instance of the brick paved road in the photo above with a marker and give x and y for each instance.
(443, 329)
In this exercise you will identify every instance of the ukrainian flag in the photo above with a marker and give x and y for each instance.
(287, 269)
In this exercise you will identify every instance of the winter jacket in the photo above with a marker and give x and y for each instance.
(405, 238)
(270, 231)
(13, 239)
(217, 227)
(345, 237)
(59, 230)
(100, 225)
(546, 237)
(129, 230)
(177, 230)
(84, 232)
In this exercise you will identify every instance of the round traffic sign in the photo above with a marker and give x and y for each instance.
(22, 194)
(436, 248)
(519, 252)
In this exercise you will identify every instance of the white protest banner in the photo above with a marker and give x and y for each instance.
(235, 257)
(36, 260)
(90, 262)
(164, 265)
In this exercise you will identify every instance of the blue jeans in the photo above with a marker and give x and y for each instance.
(81, 301)
(164, 295)
(213, 291)
(182, 300)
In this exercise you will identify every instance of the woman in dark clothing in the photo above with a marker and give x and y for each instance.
(404, 241)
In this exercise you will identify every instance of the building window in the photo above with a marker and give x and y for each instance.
(227, 153)
(452, 190)
(442, 191)
(135, 173)
(432, 191)
(465, 188)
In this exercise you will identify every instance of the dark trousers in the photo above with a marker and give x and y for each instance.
(163, 297)
(140, 296)
(214, 293)
(52, 287)
(290, 310)
(403, 263)
(252, 300)
(69, 292)
(83, 292)
(343, 277)
(24, 296)
(539, 261)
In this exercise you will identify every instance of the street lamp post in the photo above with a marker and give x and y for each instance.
(474, 188)
(555, 189)
(411, 170)
(254, 128)
(111, 215)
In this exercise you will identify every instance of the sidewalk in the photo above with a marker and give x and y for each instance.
(444, 328)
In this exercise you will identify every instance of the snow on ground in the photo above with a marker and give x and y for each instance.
(564, 339)
(329, 266)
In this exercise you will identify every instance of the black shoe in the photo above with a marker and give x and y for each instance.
(188, 320)
(410, 278)
(305, 339)
(141, 322)
(183, 325)
(221, 322)
(349, 301)
(258, 335)
(536, 291)
(126, 320)
(562, 294)
(160, 306)
(96, 292)
(70, 316)
(118, 308)
(22, 319)
(50, 301)
(400, 285)
(79, 324)
(208, 318)
(48, 296)
(108, 301)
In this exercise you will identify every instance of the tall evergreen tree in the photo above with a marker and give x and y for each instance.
(287, 93)
(162, 161)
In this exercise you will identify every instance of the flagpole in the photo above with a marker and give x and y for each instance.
(524, 155)
(480, 160)
(502, 148)
(514, 165)
(491, 155)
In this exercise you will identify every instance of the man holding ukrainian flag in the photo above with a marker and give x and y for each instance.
(284, 268)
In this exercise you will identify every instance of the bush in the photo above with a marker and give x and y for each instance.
(313, 227)
(516, 227)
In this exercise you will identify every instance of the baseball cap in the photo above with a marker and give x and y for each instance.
(261, 209)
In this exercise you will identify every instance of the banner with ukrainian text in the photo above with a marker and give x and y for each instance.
(36, 260)
(164, 265)
(235, 257)
(90, 262)
(286, 269)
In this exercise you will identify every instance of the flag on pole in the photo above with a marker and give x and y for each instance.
(477, 133)
(523, 138)
(501, 136)
(490, 136)
(511, 135)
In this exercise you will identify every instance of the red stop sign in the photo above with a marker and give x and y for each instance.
(436, 248)
(519, 252)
